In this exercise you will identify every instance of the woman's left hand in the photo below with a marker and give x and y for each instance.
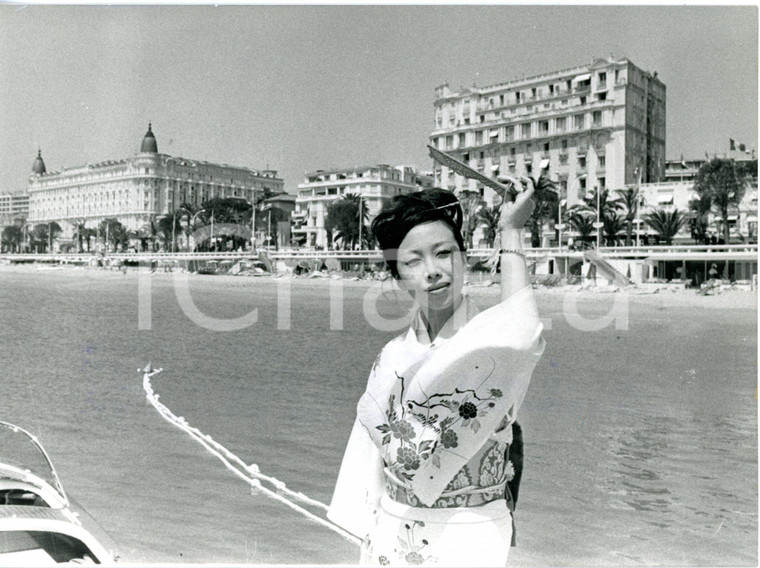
(514, 214)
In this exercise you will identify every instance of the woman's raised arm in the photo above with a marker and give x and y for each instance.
(514, 215)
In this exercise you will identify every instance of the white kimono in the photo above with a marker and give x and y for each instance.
(421, 481)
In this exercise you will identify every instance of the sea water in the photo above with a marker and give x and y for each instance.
(640, 443)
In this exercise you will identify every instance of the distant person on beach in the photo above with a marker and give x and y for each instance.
(425, 473)
(713, 272)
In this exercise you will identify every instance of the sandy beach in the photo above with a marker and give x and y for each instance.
(725, 297)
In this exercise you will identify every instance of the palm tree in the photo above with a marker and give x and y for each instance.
(88, 234)
(613, 227)
(546, 199)
(186, 211)
(629, 199)
(79, 227)
(589, 202)
(666, 223)
(596, 197)
(700, 208)
(343, 221)
(725, 183)
(488, 217)
(168, 226)
(113, 232)
(149, 233)
(583, 224)
(470, 202)
(44, 234)
(12, 237)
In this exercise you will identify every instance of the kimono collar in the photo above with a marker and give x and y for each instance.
(418, 330)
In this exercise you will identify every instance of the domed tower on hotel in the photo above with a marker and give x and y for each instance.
(137, 189)
(38, 167)
(149, 145)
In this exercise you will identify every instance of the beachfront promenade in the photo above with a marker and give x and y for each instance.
(716, 253)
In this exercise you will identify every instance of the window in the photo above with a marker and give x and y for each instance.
(478, 138)
(551, 89)
(581, 161)
(583, 184)
(449, 142)
(563, 144)
(512, 151)
(602, 183)
(543, 127)
(578, 119)
(560, 124)
(525, 131)
(602, 79)
(546, 147)
(461, 139)
(510, 132)
(602, 96)
(583, 100)
(501, 100)
(602, 161)
(533, 92)
(517, 96)
(597, 118)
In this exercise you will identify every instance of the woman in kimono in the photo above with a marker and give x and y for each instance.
(424, 475)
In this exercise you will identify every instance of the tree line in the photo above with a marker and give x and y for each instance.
(216, 224)
(720, 186)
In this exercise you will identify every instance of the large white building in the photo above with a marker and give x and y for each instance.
(677, 191)
(136, 189)
(375, 184)
(600, 125)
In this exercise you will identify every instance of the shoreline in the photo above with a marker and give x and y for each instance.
(726, 297)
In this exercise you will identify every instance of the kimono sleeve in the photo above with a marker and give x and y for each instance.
(459, 396)
(359, 486)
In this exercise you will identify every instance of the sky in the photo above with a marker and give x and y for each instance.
(301, 88)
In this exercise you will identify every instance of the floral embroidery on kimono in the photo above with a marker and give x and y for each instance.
(425, 467)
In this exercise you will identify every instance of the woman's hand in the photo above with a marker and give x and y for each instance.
(514, 214)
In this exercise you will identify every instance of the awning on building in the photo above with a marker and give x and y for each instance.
(665, 199)
(494, 133)
(733, 217)
(584, 77)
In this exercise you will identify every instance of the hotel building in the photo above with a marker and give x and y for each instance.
(599, 125)
(677, 190)
(134, 190)
(375, 184)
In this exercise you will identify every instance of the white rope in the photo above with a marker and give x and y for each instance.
(250, 473)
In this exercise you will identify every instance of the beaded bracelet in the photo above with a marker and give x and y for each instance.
(513, 251)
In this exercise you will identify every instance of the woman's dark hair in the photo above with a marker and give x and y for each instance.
(404, 212)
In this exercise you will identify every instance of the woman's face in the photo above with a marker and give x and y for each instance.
(431, 266)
